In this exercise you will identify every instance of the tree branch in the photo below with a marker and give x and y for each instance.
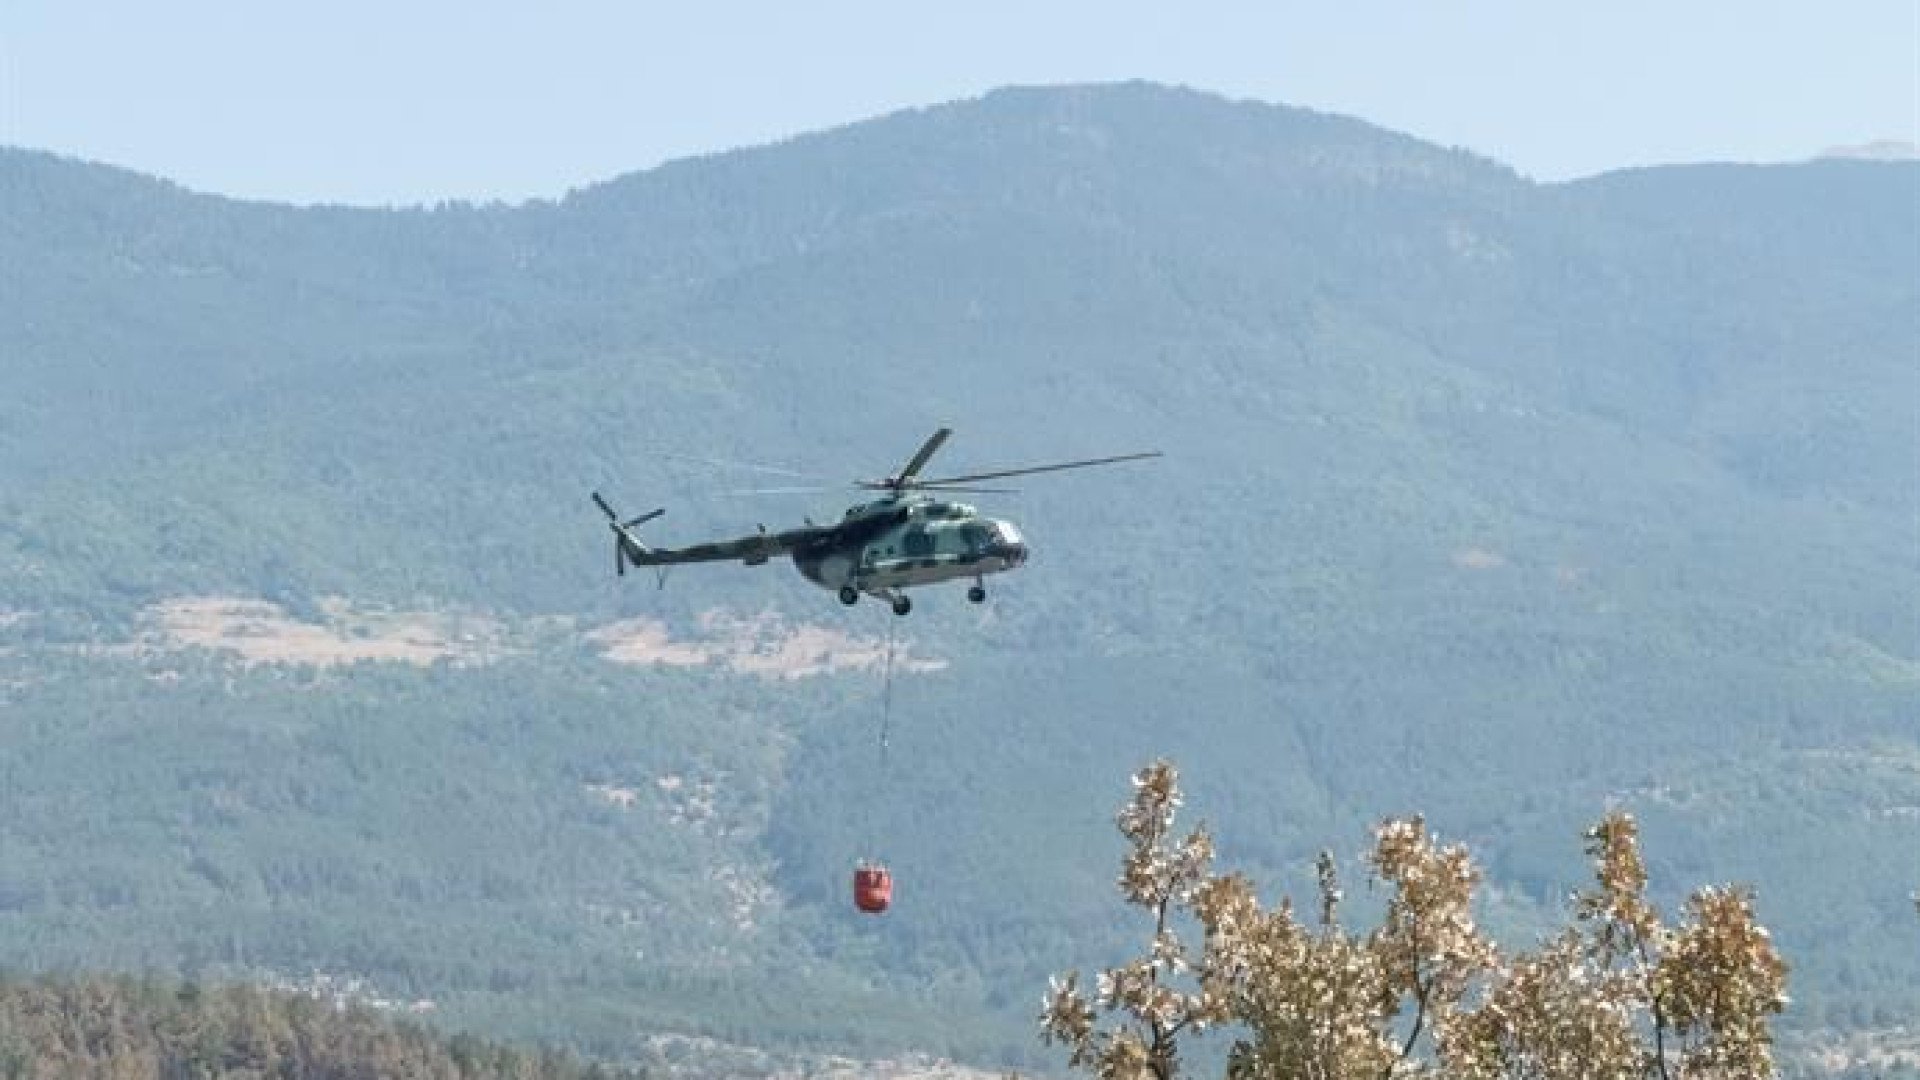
(1421, 991)
(1653, 1001)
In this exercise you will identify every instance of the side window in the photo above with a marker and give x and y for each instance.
(918, 541)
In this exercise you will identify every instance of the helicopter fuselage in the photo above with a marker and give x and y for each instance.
(905, 538)
(899, 542)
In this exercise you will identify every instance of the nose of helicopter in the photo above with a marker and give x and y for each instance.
(1008, 544)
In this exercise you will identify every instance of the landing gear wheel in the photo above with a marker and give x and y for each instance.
(849, 595)
(977, 594)
(902, 605)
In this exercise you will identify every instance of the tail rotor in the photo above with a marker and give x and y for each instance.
(626, 546)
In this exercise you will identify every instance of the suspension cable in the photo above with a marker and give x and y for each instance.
(886, 695)
(881, 783)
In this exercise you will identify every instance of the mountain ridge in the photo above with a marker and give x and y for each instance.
(1484, 498)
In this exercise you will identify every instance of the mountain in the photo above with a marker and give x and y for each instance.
(1877, 150)
(1488, 499)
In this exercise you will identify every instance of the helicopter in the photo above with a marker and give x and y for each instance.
(906, 538)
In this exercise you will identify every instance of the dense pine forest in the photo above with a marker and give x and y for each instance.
(144, 1029)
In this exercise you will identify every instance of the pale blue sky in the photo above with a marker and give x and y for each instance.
(395, 102)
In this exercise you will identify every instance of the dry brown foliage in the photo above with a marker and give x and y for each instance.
(1617, 995)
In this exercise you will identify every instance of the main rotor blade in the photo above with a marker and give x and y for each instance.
(811, 490)
(750, 466)
(966, 490)
(919, 461)
(604, 508)
(1036, 469)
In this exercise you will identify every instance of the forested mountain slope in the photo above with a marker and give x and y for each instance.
(1488, 499)
(143, 1028)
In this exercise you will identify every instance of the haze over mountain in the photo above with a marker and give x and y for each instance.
(1487, 499)
(1877, 150)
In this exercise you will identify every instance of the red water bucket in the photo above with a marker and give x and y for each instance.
(872, 889)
